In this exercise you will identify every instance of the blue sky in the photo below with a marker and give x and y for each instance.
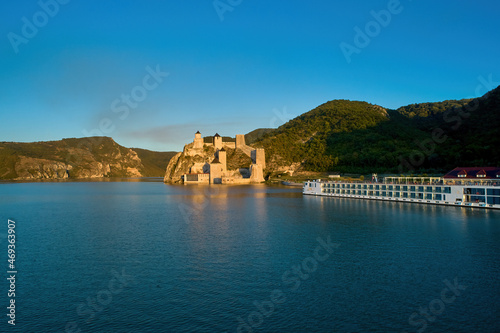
(264, 63)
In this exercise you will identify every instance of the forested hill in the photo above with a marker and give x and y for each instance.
(359, 137)
(92, 157)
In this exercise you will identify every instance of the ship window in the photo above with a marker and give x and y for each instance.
(476, 198)
(437, 196)
(477, 191)
(384, 194)
(493, 200)
(420, 188)
(493, 191)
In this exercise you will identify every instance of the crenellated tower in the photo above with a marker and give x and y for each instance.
(198, 140)
(217, 141)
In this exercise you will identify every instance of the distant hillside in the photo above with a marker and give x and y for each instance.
(423, 110)
(255, 135)
(92, 157)
(358, 137)
(154, 162)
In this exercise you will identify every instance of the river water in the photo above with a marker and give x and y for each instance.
(142, 256)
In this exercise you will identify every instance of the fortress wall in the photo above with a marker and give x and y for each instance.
(216, 173)
(235, 181)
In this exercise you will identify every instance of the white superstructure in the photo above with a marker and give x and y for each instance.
(428, 190)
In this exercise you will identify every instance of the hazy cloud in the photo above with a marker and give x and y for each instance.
(181, 134)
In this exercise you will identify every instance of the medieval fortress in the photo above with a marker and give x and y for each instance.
(205, 161)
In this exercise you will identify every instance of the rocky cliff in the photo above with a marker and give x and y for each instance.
(93, 157)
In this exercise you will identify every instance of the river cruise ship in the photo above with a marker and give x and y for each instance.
(463, 187)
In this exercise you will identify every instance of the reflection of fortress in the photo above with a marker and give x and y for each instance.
(216, 172)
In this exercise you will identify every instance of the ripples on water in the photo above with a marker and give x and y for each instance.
(196, 258)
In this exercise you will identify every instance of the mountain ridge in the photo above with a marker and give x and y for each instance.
(339, 135)
(75, 158)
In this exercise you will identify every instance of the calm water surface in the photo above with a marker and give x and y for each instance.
(148, 257)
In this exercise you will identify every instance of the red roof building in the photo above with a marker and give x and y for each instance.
(474, 173)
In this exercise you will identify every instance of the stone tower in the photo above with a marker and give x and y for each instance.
(217, 141)
(198, 140)
(260, 157)
(240, 140)
(215, 172)
(221, 154)
(256, 173)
